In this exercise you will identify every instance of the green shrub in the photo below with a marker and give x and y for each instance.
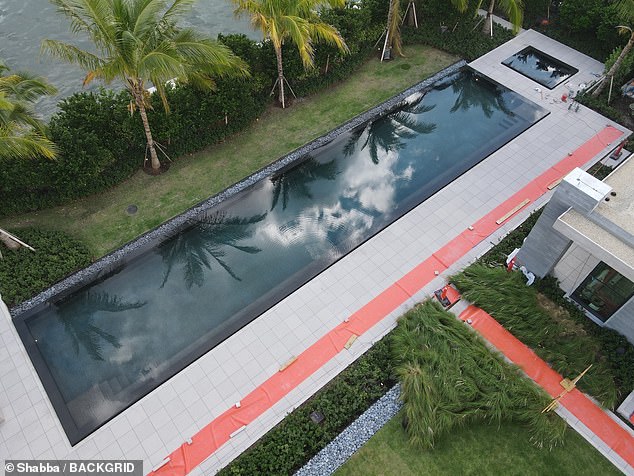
(600, 104)
(464, 41)
(101, 144)
(24, 273)
(449, 377)
(581, 16)
(290, 444)
(564, 344)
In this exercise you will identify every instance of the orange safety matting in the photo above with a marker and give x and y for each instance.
(599, 422)
(219, 431)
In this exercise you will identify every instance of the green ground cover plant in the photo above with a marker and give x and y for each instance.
(450, 378)
(24, 273)
(291, 443)
(478, 449)
(562, 342)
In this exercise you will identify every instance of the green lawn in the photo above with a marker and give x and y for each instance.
(475, 450)
(101, 220)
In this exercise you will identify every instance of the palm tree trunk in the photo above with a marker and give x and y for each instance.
(8, 242)
(280, 75)
(615, 67)
(393, 32)
(138, 98)
(488, 22)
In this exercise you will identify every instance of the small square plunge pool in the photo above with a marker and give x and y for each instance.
(540, 67)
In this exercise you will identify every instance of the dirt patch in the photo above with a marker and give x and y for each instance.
(561, 316)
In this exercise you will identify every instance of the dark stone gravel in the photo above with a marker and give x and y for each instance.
(339, 450)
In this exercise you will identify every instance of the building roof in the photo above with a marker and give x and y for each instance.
(610, 226)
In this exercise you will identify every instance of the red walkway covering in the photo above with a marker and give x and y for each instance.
(575, 402)
(210, 438)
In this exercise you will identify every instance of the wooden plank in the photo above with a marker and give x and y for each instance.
(554, 184)
(515, 209)
(348, 344)
(288, 363)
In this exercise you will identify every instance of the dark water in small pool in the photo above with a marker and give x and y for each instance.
(114, 341)
(540, 67)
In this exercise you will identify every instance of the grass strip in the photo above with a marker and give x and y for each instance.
(478, 449)
(101, 220)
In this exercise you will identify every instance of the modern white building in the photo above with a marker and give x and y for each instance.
(585, 238)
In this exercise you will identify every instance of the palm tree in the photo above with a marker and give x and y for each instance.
(293, 20)
(394, 21)
(209, 240)
(513, 8)
(22, 133)
(393, 32)
(625, 10)
(138, 42)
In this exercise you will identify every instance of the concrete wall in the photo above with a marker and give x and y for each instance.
(544, 246)
(573, 268)
(622, 320)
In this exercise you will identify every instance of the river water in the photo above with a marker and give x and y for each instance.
(25, 23)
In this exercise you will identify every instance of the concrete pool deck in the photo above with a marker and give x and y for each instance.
(161, 422)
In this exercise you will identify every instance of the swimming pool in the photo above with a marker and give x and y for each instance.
(101, 346)
(540, 67)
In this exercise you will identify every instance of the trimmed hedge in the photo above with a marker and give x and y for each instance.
(24, 273)
(101, 144)
(288, 446)
(465, 41)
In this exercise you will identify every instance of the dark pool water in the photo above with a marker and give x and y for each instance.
(104, 347)
(540, 67)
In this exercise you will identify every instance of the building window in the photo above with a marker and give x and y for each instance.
(604, 291)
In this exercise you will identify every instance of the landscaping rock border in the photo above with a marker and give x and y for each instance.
(350, 440)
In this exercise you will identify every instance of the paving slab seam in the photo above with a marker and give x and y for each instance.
(220, 430)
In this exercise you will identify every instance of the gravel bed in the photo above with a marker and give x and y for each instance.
(339, 450)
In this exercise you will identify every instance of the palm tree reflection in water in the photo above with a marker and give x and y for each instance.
(389, 132)
(78, 321)
(295, 182)
(542, 64)
(196, 250)
(475, 93)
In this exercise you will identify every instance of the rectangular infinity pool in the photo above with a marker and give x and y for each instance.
(540, 67)
(106, 345)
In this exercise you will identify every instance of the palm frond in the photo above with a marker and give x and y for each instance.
(26, 146)
(72, 54)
